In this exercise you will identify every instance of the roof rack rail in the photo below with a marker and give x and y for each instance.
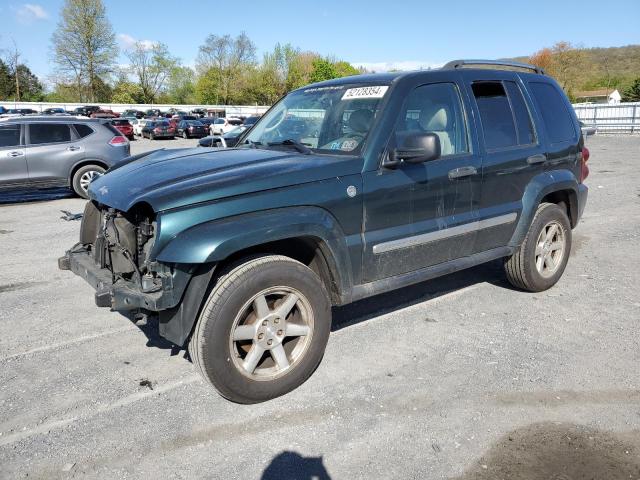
(497, 63)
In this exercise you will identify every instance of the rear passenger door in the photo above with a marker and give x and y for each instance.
(13, 163)
(511, 152)
(52, 149)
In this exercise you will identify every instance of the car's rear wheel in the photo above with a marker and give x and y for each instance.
(544, 253)
(263, 329)
(83, 177)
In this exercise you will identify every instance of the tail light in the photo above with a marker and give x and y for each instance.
(118, 140)
(157, 130)
(584, 168)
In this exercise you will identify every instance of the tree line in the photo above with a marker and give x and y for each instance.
(228, 71)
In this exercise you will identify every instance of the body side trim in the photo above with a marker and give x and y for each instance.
(444, 233)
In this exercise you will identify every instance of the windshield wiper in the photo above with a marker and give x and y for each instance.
(300, 147)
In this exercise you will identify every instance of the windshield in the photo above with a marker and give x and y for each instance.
(333, 119)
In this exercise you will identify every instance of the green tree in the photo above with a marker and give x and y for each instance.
(225, 60)
(345, 69)
(125, 91)
(31, 89)
(323, 69)
(632, 94)
(6, 81)
(151, 67)
(180, 85)
(84, 46)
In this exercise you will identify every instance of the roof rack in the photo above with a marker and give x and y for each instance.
(496, 63)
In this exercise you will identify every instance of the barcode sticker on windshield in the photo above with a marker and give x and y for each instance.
(365, 92)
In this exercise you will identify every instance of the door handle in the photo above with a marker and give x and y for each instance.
(535, 159)
(15, 154)
(462, 172)
(73, 148)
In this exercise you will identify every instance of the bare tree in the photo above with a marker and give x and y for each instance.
(152, 67)
(84, 44)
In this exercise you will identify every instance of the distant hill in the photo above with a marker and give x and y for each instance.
(614, 67)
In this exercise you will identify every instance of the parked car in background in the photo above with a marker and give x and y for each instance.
(47, 151)
(139, 125)
(199, 112)
(158, 129)
(191, 129)
(124, 127)
(20, 112)
(132, 113)
(183, 116)
(588, 130)
(153, 112)
(224, 125)
(104, 113)
(54, 111)
(230, 138)
(250, 121)
(85, 111)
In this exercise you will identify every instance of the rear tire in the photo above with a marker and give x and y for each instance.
(83, 177)
(544, 253)
(263, 329)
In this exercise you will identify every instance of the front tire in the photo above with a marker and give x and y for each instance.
(263, 329)
(184, 135)
(83, 177)
(544, 253)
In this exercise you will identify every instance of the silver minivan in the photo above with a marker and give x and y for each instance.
(57, 151)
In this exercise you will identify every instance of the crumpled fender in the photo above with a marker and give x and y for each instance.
(216, 240)
(540, 186)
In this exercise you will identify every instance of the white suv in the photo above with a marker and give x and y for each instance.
(224, 125)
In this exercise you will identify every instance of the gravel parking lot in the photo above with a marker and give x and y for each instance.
(461, 377)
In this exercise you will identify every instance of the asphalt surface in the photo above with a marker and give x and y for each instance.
(461, 377)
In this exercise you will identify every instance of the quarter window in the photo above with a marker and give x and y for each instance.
(40, 133)
(83, 130)
(555, 114)
(436, 108)
(526, 135)
(9, 135)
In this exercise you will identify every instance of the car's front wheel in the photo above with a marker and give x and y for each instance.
(544, 253)
(263, 329)
(83, 177)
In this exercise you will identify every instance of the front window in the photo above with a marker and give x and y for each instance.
(332, 119)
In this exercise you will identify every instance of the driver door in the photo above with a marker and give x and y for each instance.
(420, 215)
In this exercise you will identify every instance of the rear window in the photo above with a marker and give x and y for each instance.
(9, 135)
(40, 133)
(555, 114)
(121, 122)
(83, 130)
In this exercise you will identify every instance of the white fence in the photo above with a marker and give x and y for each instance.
(231, 110)
(621, 118)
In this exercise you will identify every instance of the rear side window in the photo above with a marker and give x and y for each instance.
(40, 133)
(497, 119)
(557, 120)
(83, 130)
(9, 135)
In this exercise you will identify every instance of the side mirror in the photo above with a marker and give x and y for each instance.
(417, 148)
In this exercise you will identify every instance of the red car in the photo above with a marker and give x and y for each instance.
(103, 113)
(124, 127)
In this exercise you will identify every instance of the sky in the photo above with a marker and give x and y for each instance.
(379, 35)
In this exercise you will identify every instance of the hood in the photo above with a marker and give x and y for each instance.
(167, 179)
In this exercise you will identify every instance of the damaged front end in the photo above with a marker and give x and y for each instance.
(114, 257)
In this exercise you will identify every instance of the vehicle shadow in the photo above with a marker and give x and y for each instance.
(24, 195)
(293, 466)
(559, 451)
(369, 308)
